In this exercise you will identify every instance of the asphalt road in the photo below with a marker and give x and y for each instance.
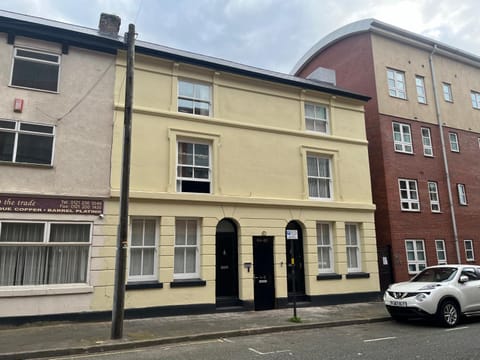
(376, 341)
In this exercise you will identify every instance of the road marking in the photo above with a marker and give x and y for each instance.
(380, 339)
(268, 353)
(457, 328)
(226, 340)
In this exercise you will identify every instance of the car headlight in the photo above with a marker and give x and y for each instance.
(421, 297)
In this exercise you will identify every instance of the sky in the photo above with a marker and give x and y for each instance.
(268, 34)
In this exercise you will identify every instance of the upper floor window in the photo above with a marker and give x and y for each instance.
(475, 99)
(324, 247)
(402, 138)
(143, 250)
(462, 194)
(454, 146)
(416, 259)
(441, 252)
(35, 70)
(193, 167)
(409, 195)
(469, 253)
(427, 142)
(396, 83)
(26, 142)
(187, 249)
(43, 253)
(316, 118)
(353, 248)
(421, 95)
(434, 200)
(319, 177)
(447, 92)
(194, 98)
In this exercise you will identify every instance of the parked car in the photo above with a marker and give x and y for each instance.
(442, 292)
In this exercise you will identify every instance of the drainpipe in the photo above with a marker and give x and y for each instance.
(444, 153)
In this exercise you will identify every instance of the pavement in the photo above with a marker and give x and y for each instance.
(49, 339)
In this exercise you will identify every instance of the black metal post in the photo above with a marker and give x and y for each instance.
(122, 234)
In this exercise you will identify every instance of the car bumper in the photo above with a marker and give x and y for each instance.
(410, 306)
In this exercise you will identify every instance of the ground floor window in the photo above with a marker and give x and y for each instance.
(40, 253)
(187, 249)
(353, 248)
(441, 253)
(469, 254)
(143, 250)
(415, 256)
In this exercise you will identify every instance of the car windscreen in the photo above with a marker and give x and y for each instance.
(436, 275)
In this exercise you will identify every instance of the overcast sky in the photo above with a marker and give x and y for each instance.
(270, 34)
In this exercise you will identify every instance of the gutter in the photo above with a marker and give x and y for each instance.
(444, 154)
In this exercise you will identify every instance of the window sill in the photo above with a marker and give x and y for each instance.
(329, 276)
(29, 165)
(187, 283)
(144, 285)
(358, 275)
(42, 290)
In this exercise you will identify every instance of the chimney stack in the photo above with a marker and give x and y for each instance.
(109, 24)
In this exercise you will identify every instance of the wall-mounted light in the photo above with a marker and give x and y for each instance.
(247, 266)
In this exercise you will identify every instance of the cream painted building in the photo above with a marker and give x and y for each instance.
(226, 161)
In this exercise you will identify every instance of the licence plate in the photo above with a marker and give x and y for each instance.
(398, 303)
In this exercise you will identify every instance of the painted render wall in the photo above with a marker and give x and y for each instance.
(259, 147)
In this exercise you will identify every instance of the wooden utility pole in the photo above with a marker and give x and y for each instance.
(122, 233)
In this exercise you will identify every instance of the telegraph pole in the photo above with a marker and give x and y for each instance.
(122, 233)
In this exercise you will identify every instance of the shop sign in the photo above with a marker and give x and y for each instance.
(70, 206)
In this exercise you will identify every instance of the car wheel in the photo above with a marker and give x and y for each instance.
(448, 313)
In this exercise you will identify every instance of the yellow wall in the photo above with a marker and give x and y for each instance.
(259, 178)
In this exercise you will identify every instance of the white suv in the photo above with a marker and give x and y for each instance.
(443, 292)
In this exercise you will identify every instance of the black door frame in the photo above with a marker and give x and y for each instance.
(298, 263)
(263, 273)
(226, 265)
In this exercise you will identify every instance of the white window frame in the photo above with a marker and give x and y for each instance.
(469, 252)
(421, 93)
(317, 122)
(396, 84)
(418, 251)
(427, 142)
(325, 244)
(180, 178)
(454, 144)
(441, 252)
(184, 274)
(196, 101)
(447, 92)
(20, 129)
(47, 225)
(462, 194)
(316, 180)
(408, 191)
(402, 138)
(142, 247)
(475, 96)
(434, 198)
(354, 246)
(35, 60)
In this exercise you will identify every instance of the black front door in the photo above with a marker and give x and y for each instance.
(226, 287)
(294, 249)
(264, 281)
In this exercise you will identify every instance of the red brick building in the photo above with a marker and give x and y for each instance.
(423, 127)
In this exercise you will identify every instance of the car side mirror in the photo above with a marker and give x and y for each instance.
(463, 279)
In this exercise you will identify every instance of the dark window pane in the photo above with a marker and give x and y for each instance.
(36, 55)
(34, 149)
(35, 75)
(69, 233)
(6, 124)
(185, 106)
(22, 232)
(37, 128)
(6, 146)
(195, 187)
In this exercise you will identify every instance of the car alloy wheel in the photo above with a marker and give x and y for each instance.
(448, 313)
